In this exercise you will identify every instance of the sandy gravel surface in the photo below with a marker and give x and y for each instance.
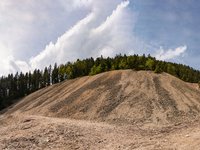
(113, 110)
(34, 132)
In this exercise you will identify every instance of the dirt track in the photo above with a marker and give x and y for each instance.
(113, 110)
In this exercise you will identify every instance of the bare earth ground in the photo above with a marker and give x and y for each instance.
(113, 110)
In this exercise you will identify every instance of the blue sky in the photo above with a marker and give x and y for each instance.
(37, 33)
(170, 23)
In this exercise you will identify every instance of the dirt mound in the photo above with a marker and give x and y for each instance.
(113, 110)
(122, 97)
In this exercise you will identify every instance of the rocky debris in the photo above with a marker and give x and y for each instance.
(113, 110)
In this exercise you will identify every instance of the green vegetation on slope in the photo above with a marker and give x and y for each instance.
(16, 86)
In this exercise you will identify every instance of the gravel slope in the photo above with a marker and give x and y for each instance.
(113, 110)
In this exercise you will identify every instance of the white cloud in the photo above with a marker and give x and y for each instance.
(27, 26)
(4, 59)
(170, 54)
(9, 64)
(25, 31)
(81, 3)
(91, 36)
(63, 47)
(74, 29)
